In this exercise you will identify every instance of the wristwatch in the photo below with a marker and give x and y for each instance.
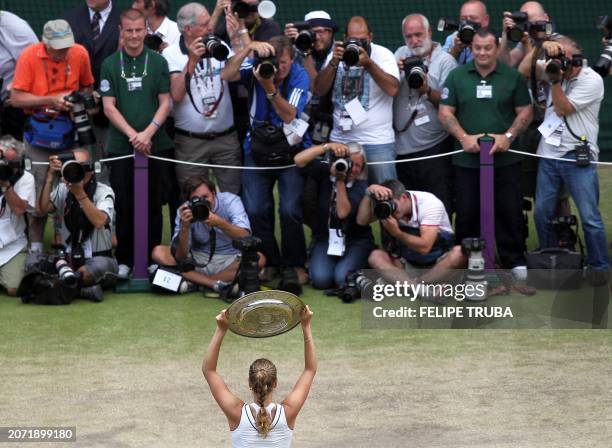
(509, 136)
(272, 95)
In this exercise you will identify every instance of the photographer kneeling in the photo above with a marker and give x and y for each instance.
(422, 236)
(206, 227)
(87, 208)
(17, 195)
(340, 245)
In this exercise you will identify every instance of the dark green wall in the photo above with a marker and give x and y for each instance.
(573, 18)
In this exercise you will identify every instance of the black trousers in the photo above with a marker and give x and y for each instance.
(122, 182)
(433, 175)
(509, 221)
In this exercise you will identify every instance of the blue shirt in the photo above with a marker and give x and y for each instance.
(229, 207)
(466, 54)
(295, 89)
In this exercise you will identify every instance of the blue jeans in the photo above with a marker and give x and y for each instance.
(258, 199)
(583, 185)
(325, 270)
(442, 245)
(377, 174)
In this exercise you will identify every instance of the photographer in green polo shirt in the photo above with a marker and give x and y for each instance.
(135, 86)
(487, 97)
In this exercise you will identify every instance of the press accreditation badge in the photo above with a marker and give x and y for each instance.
(208, 103)
(336, 245)
(346, 122)
(134, 83)
(422, 117)
(484, 92)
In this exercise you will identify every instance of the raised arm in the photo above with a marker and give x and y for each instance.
(229, 403)
(297, 397)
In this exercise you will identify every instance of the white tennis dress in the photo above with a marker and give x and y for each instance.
(247, 436)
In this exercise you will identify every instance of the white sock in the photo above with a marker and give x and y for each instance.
(36, 247)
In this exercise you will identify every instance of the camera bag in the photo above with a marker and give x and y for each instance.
(270, 147)
(55, 133)
(42, 286)
(554, 268)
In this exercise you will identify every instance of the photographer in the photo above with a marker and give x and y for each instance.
(486, 97)
(203, 113)
(572, 115)
(45, 74)
(424, 67)
(17, 196)
(15, 36)
(207, 241)
(279, 89)
(158, 23)
(533, 36)
(339, 244)
(474, 12)
(421, 232)
(364, 85)
(87, 208)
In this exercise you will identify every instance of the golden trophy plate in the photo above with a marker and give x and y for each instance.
(263, 314)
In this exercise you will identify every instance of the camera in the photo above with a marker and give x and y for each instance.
(200, 208)
(305, 39)
(466, 29)
(562, 226)
(242, 9)
(65, 273)
(561, 62)
(351, 50)
(215, 48)
(521, 25)
(472, 248)
(340, 164)
(267, 65)
(604, 63)
(7, 168)
(72, 171)
(153, 42)
(384, 209)
(416, 72)
(539, 26)
(356, 286)
(82, 101)
(247, 277)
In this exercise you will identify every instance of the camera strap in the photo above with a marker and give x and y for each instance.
(214, 106)
(212, 239)
(533, 84)
(408, 123)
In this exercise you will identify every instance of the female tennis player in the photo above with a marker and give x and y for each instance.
(261, 423)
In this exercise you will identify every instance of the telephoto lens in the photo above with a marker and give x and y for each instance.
(215, 48)
(6, 171)
(520, 19)
(267, 66)
(467, 31)
(351, 52)
(200, 208)
(305, 38)
(384, 209)
(416, 72)
(342, 165)
(72, 171)
(65, 273)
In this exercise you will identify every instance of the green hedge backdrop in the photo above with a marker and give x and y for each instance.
(575, 19)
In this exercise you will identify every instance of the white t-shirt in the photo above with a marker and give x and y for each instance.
(247, 436)
(377, 129)
(206, 88)
(427, 210)
(585, 92)
(167, 30)
(104, 200)
(12, 227)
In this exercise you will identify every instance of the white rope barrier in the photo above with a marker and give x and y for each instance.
(387, 162)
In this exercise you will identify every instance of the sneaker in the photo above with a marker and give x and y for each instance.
(221, 287)
(124, 272)
(152, 268)
(290, 282)
(93, 293)
(519, 273)
(186, 287)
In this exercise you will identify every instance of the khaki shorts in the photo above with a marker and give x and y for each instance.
(11, 272)
(218, 263)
